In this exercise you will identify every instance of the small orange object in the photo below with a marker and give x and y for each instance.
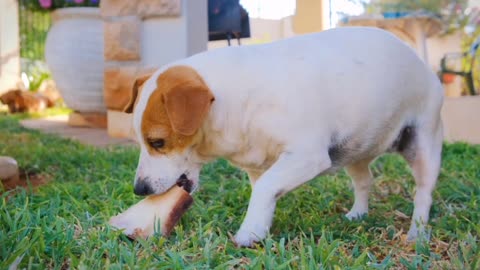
(448, 78)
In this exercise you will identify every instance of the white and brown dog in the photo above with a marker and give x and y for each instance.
(288, 111)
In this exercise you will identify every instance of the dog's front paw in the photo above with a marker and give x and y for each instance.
(248, 237)
(245, 239)
(354, 214)
(418, 233)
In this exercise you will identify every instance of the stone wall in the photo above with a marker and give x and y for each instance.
(141, 36)
(122, 43)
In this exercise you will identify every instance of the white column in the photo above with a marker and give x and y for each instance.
(9, 45)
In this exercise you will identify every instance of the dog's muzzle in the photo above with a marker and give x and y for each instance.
(144, 188)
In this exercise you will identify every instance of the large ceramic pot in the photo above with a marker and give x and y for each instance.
(74, 55)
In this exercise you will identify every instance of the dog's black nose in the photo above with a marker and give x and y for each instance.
(142, 188)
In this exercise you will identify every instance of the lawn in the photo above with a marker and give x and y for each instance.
(62, 224)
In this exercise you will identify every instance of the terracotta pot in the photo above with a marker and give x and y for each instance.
(448, 78)
(74, 55)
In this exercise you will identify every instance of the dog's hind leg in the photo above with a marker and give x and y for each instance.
(362, 181)
(425, 163)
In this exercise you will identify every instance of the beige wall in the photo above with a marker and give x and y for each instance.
(438, 46)
(180, 37)
(308, 16)
(9, 45)
(460, 119)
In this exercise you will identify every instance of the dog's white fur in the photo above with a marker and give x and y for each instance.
(282, 109)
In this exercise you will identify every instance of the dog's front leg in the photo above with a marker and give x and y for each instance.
(290, 171)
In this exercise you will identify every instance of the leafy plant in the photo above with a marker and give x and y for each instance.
(35, 72)
(36, 79)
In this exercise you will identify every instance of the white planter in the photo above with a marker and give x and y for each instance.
(74, 55)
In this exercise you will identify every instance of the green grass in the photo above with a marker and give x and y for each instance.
(63, 224)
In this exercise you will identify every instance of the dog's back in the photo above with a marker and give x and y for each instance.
(356, 88)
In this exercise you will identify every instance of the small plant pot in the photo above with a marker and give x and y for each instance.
(448, 78)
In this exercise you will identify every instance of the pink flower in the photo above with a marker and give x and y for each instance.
(78, 1)
(45, 3)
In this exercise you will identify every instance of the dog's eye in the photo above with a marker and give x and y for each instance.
(156, 143)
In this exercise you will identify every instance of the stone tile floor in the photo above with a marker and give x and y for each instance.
(58, 125)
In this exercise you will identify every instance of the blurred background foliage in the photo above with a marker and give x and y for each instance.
(45, 5)
(454, 15)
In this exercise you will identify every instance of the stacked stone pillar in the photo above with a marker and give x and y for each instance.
(141, 36)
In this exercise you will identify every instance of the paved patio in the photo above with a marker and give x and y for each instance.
(58, 125)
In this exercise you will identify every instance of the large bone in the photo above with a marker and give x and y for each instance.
(156, 211)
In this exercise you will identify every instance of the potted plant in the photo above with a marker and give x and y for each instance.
(74, 52)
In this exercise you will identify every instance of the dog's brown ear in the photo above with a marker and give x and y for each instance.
(136, 88)
(187, 105)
